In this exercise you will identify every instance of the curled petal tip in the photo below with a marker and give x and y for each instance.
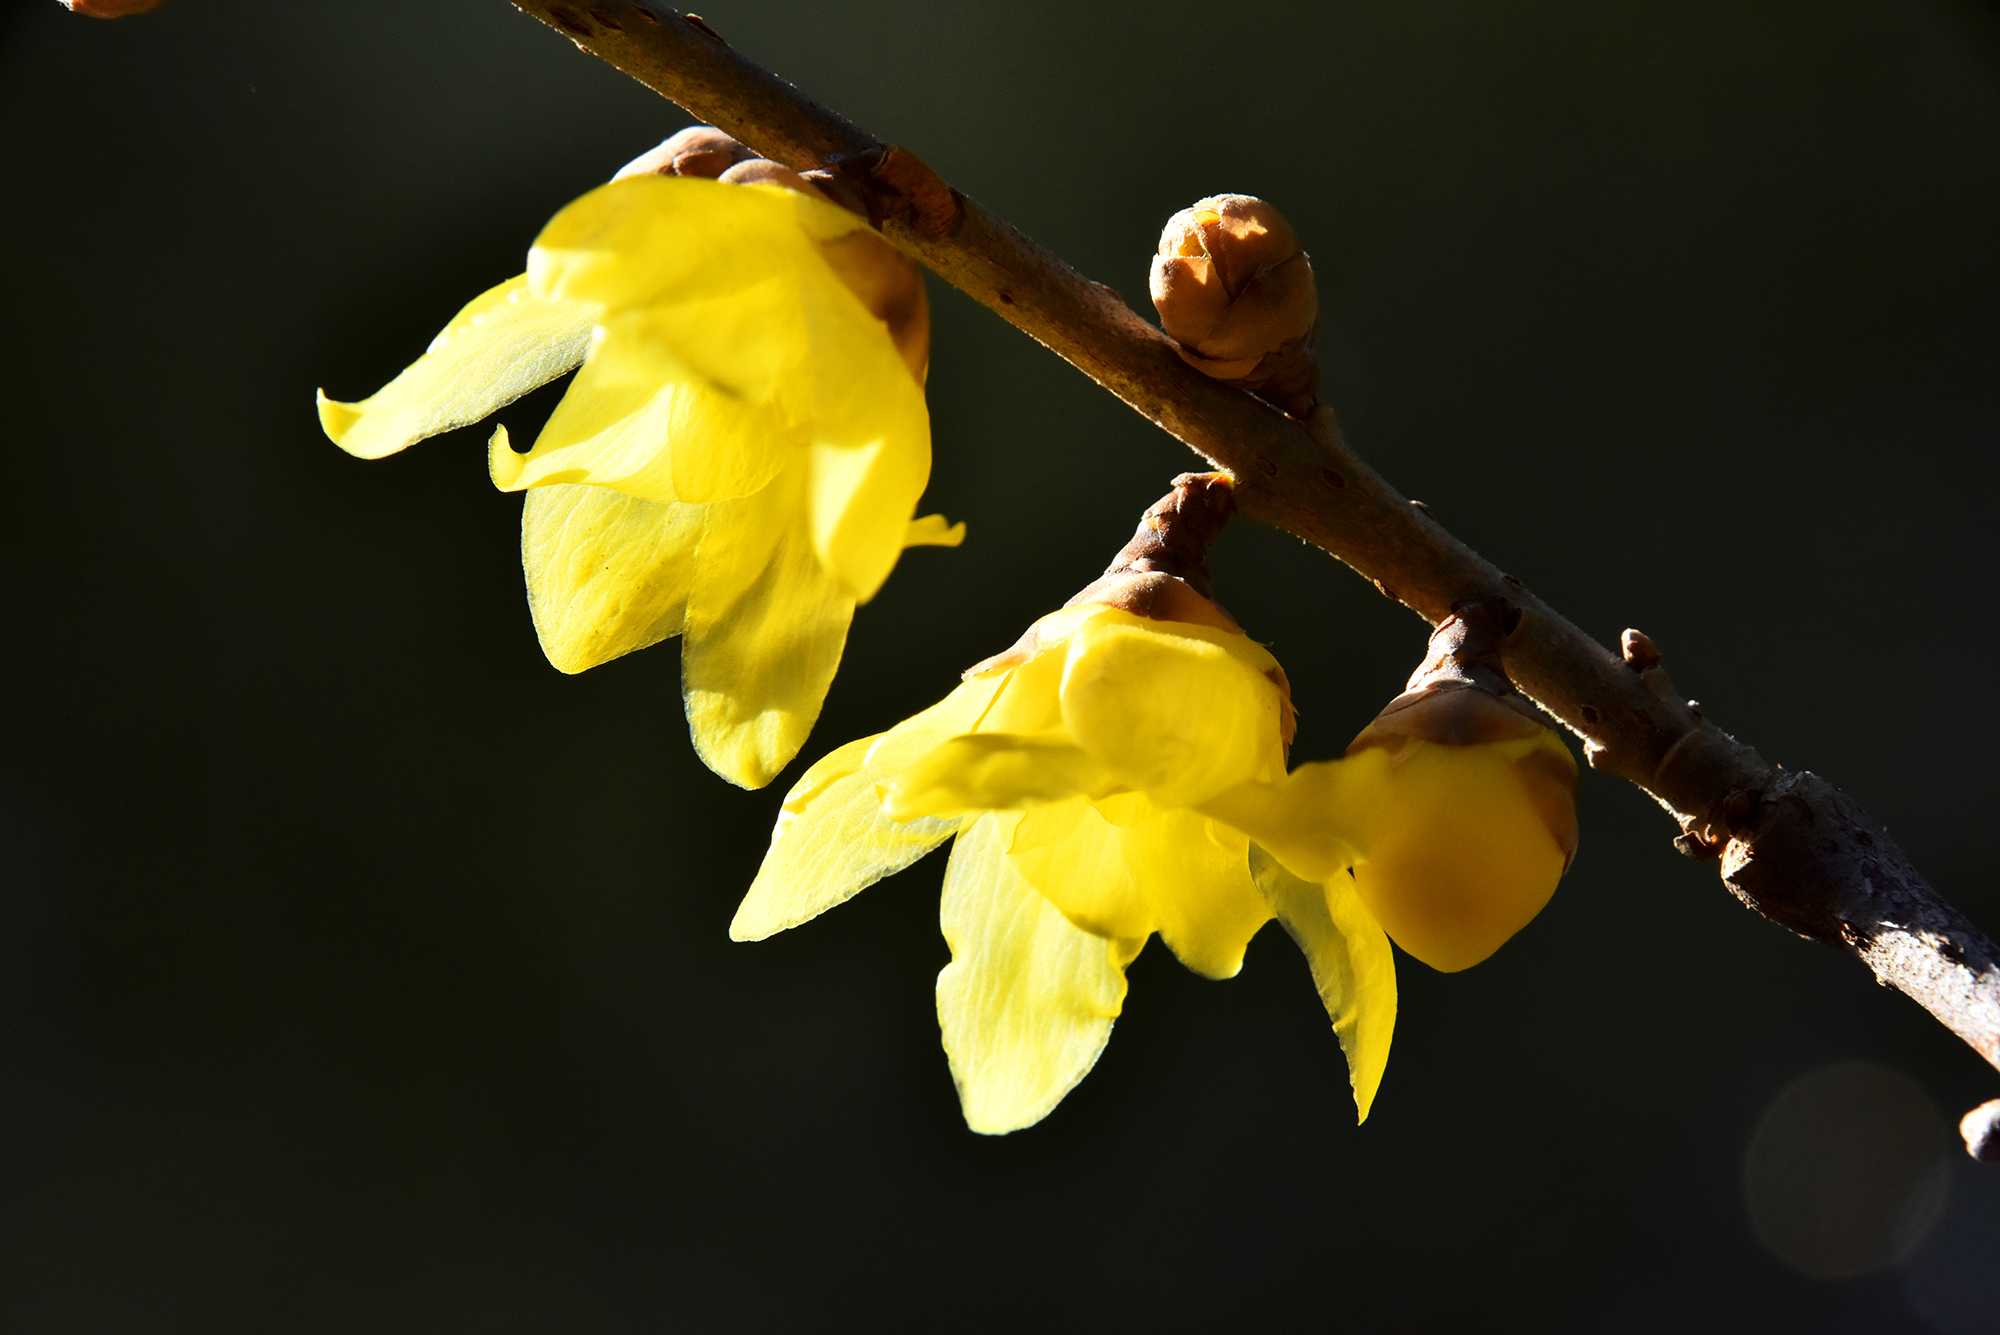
(934, 531)
(503, 465)
(336, 418)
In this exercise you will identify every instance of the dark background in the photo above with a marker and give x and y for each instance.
(360, 972)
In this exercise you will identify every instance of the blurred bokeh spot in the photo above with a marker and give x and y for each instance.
(1847, 1170)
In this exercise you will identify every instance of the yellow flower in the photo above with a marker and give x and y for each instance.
(1068, 769)
(737, 462)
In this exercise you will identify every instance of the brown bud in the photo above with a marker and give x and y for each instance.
(110, 9)
(1236, 292)
(699, 150)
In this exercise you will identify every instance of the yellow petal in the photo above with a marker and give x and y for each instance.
(1196, 877)
(1027, 1002)
(832, 839)
(1352, 966)
(863, 496)
(606, 435)
(765, 630)
(607, 573)
(1177, 716)
(1462, 857)
(1075, 857)
(991, 772)
(870, 438)
(1123, 867)
(1315, 819)
(1029, 703)
(503, 344)
(933, 531)
(649, 239)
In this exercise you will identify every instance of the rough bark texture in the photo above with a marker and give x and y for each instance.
(1792, 847)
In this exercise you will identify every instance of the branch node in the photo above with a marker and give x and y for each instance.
(1981, 1129)
(1639, 651)
(700, 25)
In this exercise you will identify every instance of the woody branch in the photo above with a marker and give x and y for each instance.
(1791, 846)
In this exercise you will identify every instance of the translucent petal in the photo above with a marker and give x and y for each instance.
(765, 630)
(934, 531)
(1124, 867)
(1180, 717)
(649, 239)
(832, 839)
(1027, 1002)
(1316, 818)
(1029, 703)
(504, 343)
(748, 344)
(1196, 877)
(991, 772)
(1461, 858)
(607, 573)
(1069, 852)
(607, 435)
(1352, 965)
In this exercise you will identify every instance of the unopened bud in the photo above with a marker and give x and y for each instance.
(1235, 291)
(1479, 796)
(699, 150)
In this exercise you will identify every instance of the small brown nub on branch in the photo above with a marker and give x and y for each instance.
(1640, 655)
(1981, 1129)
(1235, 292)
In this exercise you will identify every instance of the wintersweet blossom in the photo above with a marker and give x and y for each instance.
(738, 460)
(1070, 769)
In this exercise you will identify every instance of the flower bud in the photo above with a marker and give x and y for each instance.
(699, 150)
(1235, 292)
(1478, 801)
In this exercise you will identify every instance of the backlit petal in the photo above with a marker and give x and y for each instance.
(1352, 965)
(832, 839)
(1195, 875)
(1178, 716)
(934, 531)
(1027, 1002)
(1075, 857)
(991, 772)
(871, 452)
(504, 343)
(607, 573)
(652, 239)
(765, 629)
(606, 435)
(1316, 818)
